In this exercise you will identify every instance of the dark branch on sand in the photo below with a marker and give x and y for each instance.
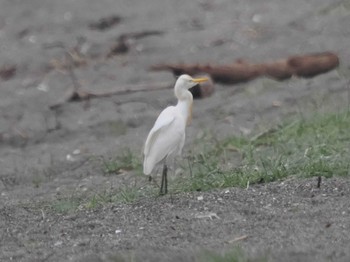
(241, 71)
(77, 93)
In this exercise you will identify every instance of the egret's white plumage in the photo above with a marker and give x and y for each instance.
(167, 137)
(170, 124)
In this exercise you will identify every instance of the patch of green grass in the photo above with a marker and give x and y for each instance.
(125, 162)
(124, 195)
(37, 181)
(127, 195)
(234, 255)
(318, 146)
(66, 205)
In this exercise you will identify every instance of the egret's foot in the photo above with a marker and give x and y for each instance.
(162, 191)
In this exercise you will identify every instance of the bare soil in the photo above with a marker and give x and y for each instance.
(51, 153)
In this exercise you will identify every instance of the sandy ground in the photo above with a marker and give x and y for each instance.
(46, 154)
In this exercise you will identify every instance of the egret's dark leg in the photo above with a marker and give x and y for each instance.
(166, 179)
(164, 185)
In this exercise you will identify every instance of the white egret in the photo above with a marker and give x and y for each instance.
(167, 137)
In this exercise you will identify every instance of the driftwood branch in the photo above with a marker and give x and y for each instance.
(241, 71)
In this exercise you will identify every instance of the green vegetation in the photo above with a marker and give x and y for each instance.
(66, 205)
(125, 162)
(37, 180)
(319, 146)
(126, 194)
(234, 255)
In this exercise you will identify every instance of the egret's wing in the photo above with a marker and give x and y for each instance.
(164, 120)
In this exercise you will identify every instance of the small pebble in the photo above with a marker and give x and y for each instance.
(76, 152)
(70, 158)
(58, 243)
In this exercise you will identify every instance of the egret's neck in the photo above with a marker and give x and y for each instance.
(185, 100)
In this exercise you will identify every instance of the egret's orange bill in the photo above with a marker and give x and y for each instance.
(200, 80)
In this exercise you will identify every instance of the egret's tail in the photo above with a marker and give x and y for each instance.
(148, 166)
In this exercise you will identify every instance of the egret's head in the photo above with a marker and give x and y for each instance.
(186, 82)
